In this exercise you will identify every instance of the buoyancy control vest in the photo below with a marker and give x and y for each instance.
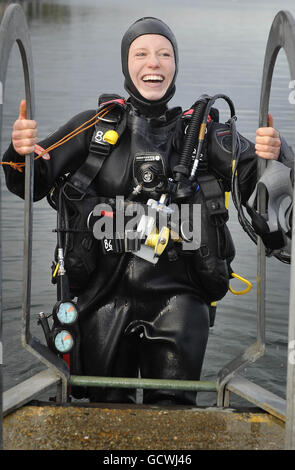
(74, 198)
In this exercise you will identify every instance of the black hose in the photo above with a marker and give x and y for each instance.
(212, 101)
(182, 170)
(59, 220)
(201, 108)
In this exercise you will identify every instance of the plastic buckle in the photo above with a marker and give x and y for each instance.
(72, 187)
(100, 148)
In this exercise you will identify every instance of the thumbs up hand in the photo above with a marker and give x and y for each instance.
(24, 134)
(268, 142)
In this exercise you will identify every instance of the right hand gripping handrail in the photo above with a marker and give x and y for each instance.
(281, 35)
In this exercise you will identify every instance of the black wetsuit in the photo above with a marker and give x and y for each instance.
(154, 318)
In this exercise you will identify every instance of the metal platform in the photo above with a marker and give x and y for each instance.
(135, 427)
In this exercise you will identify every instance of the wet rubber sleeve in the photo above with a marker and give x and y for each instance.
(286, 156)
(64, 159)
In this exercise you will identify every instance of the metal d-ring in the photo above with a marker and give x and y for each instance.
(281, 35)
(13, 29)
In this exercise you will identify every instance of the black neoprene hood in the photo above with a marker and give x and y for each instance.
(147, 25)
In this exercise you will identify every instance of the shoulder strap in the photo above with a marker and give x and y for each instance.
(77, 185)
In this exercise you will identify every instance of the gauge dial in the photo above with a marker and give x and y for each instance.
(66, 312)
(63, 341)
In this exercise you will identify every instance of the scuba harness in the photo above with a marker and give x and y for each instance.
(150, 178)
(75, 200)
(77, 251)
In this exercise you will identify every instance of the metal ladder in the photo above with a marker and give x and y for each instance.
(282, 34)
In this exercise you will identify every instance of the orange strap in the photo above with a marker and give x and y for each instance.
(83, 127)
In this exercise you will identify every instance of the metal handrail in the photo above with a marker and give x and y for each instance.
(124, 382)
(14, 29)
(290, 390)
(281, 35)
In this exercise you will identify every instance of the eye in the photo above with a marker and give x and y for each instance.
(165, 54)
(140, 54)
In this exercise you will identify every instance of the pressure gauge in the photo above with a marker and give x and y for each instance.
(65, 312)
(63, 341)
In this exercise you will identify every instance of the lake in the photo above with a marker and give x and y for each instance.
(76, 54)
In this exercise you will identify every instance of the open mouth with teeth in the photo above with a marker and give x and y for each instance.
(153, 78)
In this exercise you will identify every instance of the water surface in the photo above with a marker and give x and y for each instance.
(76, 53)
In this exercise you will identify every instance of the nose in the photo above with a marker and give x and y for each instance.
(153, 61)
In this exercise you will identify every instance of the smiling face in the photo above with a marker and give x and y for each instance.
(151, 65)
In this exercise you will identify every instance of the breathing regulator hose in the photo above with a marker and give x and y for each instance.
(196, 131)
(182, 170)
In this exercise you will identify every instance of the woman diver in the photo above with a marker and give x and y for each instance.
(137, 316)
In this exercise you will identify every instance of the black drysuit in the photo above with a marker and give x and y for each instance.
(152, 318)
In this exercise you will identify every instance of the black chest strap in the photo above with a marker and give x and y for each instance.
(115, 119)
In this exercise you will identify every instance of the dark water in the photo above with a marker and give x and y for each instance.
(76, 53)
